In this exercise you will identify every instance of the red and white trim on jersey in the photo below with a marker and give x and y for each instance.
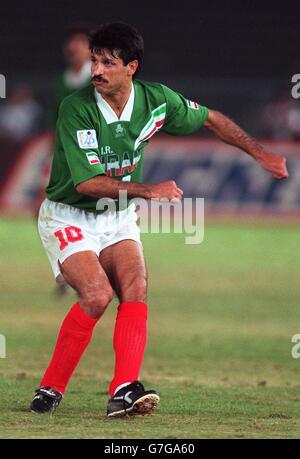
(158, 116)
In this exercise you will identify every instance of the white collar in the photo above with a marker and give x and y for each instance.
(108, 113)
(77, 80)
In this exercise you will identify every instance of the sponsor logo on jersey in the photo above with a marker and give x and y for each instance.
(87, 138)
(192, 105)
(92, 158)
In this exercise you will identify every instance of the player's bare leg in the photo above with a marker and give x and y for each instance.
(83, 272)
(125, 266)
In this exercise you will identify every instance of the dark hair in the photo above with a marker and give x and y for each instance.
(121, 38)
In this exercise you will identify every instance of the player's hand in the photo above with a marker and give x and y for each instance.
(274, 164)
(166, 191)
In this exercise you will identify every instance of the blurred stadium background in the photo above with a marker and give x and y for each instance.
(226, 309)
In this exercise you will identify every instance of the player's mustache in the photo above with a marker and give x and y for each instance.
(98, 78)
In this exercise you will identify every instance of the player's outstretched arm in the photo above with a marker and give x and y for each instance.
(102, 186)
(228, 131)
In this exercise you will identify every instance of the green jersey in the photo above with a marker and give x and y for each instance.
(66, 84)
(91, 140)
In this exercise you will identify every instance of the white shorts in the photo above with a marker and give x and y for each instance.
(65, 230)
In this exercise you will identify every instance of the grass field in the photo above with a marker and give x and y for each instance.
(222, 315)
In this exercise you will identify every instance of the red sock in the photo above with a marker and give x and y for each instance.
(129, 343)
(74, 336)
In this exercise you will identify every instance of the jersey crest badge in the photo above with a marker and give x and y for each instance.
(87, 139)
(120, 131)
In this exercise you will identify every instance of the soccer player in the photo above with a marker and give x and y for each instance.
(101, 134)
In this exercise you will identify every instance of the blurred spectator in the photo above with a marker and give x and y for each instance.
(78, 66)
(280, 119)
(20, 115)
(76, 75)
(294, 121)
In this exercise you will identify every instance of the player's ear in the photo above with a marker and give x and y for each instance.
(132, 67)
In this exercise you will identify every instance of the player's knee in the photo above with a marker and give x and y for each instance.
(95, 303)
(136, 290)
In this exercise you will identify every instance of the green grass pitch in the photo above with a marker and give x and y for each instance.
(221, 319)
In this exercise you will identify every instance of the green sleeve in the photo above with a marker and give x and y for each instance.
(183, 116)
(59, 92)
(78, 139)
